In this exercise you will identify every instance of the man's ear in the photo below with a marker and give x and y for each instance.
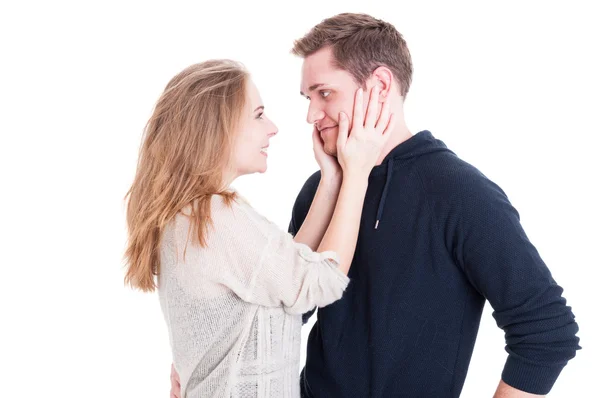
(384, 79)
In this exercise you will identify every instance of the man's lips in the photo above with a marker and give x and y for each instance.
(326, 129)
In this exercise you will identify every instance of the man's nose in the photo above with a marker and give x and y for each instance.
(314, 114)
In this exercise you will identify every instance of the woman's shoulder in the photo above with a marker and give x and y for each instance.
(239, 211)
(231, 213)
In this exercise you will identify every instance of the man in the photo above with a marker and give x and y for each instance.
(437, 239)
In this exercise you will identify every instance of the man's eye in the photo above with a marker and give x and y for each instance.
(325, 93)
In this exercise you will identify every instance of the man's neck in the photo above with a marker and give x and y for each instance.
(400, 134)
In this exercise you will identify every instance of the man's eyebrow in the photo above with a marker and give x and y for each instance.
(312, 88)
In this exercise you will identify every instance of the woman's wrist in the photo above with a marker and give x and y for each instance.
(356, 174)
(331, 178)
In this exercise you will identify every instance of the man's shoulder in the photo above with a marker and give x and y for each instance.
(447, 173)
(309, 189)
(453, 183)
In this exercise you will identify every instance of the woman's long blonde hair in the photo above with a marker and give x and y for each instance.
(186, 148)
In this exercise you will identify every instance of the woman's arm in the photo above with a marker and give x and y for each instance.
(357, 155)
(321, 210)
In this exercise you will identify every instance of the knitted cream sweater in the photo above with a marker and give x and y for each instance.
(233, 309)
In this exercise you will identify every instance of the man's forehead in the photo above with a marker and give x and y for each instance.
(315, 67)
(330, 79)
(315, 75)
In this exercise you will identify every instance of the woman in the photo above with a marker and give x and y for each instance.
(233, 286)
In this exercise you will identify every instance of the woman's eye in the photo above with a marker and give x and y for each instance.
(260, 115)
(325, 93)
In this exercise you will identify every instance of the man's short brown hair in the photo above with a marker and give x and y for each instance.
(360, 44)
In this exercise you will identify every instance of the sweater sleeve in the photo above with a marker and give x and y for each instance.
(265, 266)
(504, 266)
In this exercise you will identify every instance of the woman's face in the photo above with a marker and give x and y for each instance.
(252, 140)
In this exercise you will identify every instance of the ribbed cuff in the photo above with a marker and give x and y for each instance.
(534, 379)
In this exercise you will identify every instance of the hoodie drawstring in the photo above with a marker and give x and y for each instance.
(390, 172)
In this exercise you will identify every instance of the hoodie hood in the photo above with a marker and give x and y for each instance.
(422, 143)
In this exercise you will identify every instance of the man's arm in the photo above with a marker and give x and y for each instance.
(489, 244)
(506, 391)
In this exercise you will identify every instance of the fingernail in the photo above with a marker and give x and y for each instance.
(342, 115)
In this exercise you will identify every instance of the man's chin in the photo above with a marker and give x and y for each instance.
(330, 151)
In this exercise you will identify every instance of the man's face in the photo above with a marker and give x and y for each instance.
(330, 91)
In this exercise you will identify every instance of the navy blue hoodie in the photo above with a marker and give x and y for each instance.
(437, 238)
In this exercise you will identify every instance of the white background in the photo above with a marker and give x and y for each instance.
(511, 87)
